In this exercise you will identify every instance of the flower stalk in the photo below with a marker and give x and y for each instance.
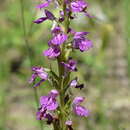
(61, 73)
(64, 40)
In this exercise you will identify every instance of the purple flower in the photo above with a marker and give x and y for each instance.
(74, 83)
(43, 5)
(68, 123)
(40, 20)
(49, 16)
(78, 109)
(61, 19)
(40, 115)
(85, 45)
(49, 102)
(49, 118)
(70, 65)
(38, 72)
(80, 34)
(53, 93)
(43, 115)
(38, 83)
(80, 42)
(78, 100)
(52, 52)
(59, 39)
(56, 30)
(78, 6)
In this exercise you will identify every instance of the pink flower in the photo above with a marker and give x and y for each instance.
(52, 52)
(48, 103)
(78, 109)
(38, 72)
(70, 65)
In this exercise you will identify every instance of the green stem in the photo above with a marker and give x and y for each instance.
(62, 116)
(62, 96)
(61, 86)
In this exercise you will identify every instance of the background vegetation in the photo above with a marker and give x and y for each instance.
(105, 69)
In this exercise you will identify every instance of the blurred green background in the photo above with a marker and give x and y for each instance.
(105, 69)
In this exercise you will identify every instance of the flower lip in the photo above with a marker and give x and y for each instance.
(82, 44)
(37, 69)
(52, 52)
(78, 6)
(39, 115)
(56, 30)
(44, 115)
(78, 100)
(43, 5)
(59, 39)
(40, 20)
(49, 118)
(80, 34)
(68, 123)
(38, 72)
(70, 65)
(81, 111)
(74, 82)
(49, 15)
(49, 102)
(39, 83)
(54, 93)
(78, 109)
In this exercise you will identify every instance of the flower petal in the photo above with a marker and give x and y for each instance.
(78, 100)
(54, 93)
(59, 39)
(32, 78)
(68, 123)
(74, 83)
(43, 5)
(52, 52)
(49, 15)
(39, 83)
(70, 65)
(80, 110)
(85, 45)
(78, 6)
(52, 105)
(40, 20)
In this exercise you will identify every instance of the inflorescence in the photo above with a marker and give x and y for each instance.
(56, 107)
